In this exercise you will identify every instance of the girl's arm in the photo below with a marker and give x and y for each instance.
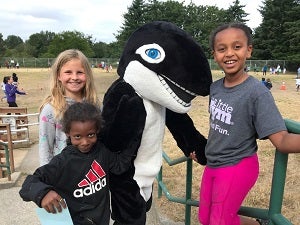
(47, 133)
(20, 92)
(34, 189)
(286, 142)
(39, 187)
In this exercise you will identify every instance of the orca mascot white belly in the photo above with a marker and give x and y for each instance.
(162, 68)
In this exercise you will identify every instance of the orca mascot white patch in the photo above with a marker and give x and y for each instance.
(162, 68)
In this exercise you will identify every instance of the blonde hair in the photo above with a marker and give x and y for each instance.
(57, 91)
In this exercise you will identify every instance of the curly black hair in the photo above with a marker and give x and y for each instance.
(247, 30)
(81, 111)
(15, 77)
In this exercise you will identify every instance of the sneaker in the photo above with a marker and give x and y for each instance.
(262, 222)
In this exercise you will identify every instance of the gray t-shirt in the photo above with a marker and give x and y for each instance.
(238, 116)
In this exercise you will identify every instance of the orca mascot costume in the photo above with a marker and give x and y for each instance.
(162, 68)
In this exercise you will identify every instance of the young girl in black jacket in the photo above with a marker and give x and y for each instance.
(78, 176)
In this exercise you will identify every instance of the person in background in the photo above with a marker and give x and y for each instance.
(15, 79)
(71, 81)
(79, 175)
(11, 91)
(232, 162)
(264, 70)
(297, 84)
(278, 69)
(4, 82)
(263, 81)
(284, 70)
(269, 84)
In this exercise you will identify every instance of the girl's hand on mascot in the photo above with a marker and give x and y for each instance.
(193, 156)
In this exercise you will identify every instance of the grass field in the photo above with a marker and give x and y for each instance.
(36, 83)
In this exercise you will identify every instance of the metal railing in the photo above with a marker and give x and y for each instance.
(273, 213)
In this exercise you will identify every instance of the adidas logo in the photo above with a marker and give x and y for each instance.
(94, 181)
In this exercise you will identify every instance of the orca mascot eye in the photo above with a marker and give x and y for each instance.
(151, 53)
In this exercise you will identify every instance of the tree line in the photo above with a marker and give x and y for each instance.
(276, 38)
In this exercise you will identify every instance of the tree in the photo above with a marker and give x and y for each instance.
(236, 13)
(196, 20)
(132, 20)
(2, 45)
(12, 41)
(113, 50)
(68, 40)
(140, 13)
(39, 43)
(172, 11)
(292, 30)
(100, 49)
(200, 21)
(272, 37)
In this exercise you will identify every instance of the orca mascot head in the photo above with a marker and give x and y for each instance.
(166, 65)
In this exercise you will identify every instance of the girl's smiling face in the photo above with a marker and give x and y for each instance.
(231, 50)
(73, 78)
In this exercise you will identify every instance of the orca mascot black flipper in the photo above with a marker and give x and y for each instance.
(162, 69)
(186, 135)
(124, 118)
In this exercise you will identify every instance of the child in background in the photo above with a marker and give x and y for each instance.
(15, 79)
(72, 81)
(11, 91)
(5, 80)
(241, 110)
(79, 174)
(263, 81)
(297, 84)
(269, 84)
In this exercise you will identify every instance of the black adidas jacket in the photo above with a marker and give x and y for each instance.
(81, 179)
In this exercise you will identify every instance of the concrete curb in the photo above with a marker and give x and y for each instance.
(4, 183)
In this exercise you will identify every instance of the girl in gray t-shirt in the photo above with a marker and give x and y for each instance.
(241, 110)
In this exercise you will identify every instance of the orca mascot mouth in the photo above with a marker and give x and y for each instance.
(179, 93)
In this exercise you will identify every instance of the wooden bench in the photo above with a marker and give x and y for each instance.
(6, 152)
(17, 117)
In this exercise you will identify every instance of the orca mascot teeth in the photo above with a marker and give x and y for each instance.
(162, 69)
(186, 96)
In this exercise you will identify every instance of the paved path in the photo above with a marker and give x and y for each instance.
(14, 211)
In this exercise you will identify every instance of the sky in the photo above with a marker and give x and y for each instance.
(101, 19)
